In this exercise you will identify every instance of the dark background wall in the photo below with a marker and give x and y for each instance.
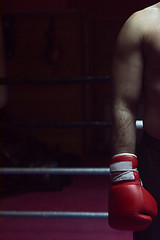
(99, 8)
(63, 39)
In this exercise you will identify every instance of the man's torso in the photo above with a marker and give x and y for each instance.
(151, 51)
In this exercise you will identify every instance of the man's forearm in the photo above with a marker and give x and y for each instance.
(123, 132)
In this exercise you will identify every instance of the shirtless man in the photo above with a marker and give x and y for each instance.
(136, 70)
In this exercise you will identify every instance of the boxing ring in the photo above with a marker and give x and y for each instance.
(57, 171)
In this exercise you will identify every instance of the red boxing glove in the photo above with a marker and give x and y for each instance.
(131, 207)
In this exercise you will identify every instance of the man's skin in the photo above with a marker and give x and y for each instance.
(136, 69)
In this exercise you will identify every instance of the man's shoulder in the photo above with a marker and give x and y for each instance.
(138, 25)
(140, 22)
(145, 17)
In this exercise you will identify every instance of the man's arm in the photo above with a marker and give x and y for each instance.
(127, 80)
(130, 206)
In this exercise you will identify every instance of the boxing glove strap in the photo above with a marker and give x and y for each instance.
(122, 171)
(123, 154)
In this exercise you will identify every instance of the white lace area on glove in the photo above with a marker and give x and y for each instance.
(122, 171)
(124, 154)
